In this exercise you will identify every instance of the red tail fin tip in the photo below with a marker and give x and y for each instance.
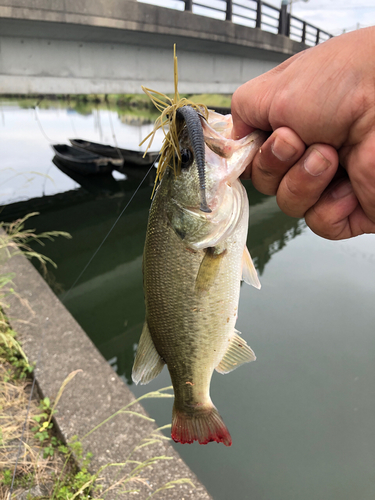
(203, 426)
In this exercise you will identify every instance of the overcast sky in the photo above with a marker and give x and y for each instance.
(333, 16)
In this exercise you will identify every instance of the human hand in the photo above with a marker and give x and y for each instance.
(320, 105)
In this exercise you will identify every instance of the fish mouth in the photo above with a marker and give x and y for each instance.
(197, 212)
(195, 131)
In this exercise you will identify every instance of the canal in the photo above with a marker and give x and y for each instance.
(302, 416)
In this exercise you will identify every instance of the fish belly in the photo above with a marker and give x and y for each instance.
(190, 330)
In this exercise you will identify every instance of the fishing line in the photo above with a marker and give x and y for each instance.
(109, 232)
(98, 124)
(72, 124)
(111, 125)
(2, 115)
(27, 413)
(113, 132)
(65, 297)
(39, 123)
(45, 180)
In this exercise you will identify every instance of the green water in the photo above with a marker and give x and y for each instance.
(302, 416)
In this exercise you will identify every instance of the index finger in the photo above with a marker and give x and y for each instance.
(250, 108)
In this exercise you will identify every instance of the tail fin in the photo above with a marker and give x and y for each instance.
(204, 425)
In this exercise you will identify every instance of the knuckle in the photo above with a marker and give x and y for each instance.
(280, 106)
(364, 184)
(266, 185)
(264, 179)
(264, 175)
(322, 225)
(294, 190)
(265, 171)
(364, 173)
(294, 197)
(235, 105)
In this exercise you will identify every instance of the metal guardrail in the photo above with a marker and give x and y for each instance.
(261, 15)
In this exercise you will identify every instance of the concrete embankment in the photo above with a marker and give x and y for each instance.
(52, 338)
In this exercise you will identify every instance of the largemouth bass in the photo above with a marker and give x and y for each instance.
(194, 257)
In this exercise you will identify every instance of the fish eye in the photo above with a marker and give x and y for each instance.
(187, 158)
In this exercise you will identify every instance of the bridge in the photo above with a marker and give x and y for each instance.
(115, 46)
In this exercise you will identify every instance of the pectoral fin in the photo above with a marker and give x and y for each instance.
(208, 269)
(238, 352)
(148, 364)
(249, 273)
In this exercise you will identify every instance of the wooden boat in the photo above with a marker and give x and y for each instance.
(102, 184)
(127, 155)
(139, 172)
(84, 162)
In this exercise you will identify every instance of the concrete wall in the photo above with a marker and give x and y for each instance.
(54, 340)
(116, 46)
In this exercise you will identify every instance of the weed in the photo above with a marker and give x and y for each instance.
(7, 478)
(32, 467)
(27, 436)
(11, 351)
(17, 239)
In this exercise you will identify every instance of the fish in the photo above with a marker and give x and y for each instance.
(194, 258)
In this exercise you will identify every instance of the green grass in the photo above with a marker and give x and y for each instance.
(125, 104)
(62, 469)
(212, 100)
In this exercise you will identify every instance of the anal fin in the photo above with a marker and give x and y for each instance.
(147, 364)
(249, 273)
(238, 352)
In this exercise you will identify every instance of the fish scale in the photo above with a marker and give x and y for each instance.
(192, 287)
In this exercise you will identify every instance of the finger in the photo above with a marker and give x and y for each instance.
(306, 181)
(250, 108)
(338, 214)
(252, 101)
(360, 165)
(276, 156)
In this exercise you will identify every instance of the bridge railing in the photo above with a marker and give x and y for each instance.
(257, 14)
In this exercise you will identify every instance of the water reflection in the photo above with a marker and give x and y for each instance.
(28, 128)
(98, 185)
(269, 229)
(112, 285)
(301, 417)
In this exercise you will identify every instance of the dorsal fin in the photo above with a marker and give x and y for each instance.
(147, 364)
(238, 352)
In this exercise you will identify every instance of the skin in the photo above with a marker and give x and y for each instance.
(319, 160)
(190, 328)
